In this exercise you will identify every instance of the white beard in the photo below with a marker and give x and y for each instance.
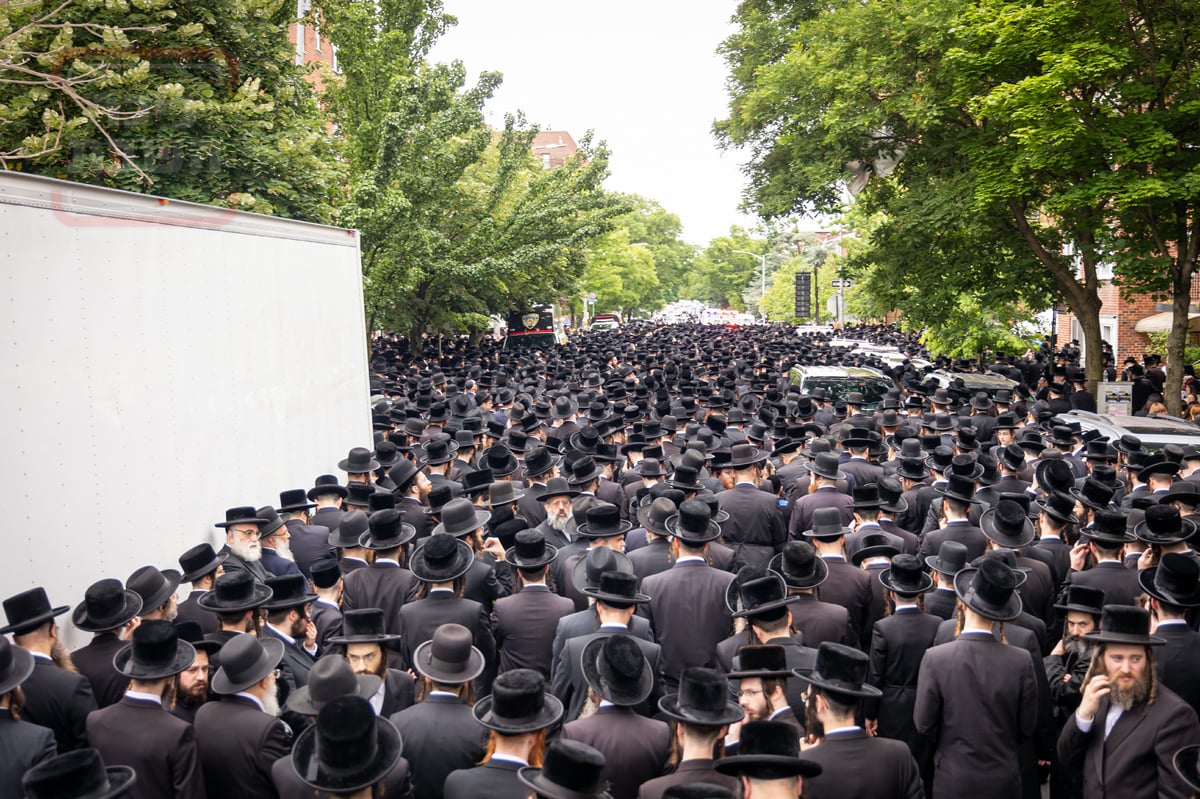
(271, 703)
(558, 523)
(249, 552)
(284, 550)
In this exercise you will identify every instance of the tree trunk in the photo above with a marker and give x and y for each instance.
(1089, 321)
(416, 346)
(1176, 340)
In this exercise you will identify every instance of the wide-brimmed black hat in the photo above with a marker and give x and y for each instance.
(386, 529)
(245, 661)
(288, 591)
(890, 492)
(153, 586)
(1007, 524)
(766, 661)
(1059, 506)
(460, 517)
(500, 460)
(234, 592)
(557, 487)
(529, 550)
(906, 576)
(106, 605)
(193, 633)
(826, 523)
(1164, 525)
(768, 750)
(1094, 494)
(244, 514)
(503, 493)
(800, 565)
(842, 670)
(866, 497)
(604, 521)
(595, 562)
(1184, 492)
(959, 488)
(743, 455)
(1124, 624)
(438, 451)
(616, 669)
(16, 664)
(80, 774)
(584, 471)
(1054, 474)
(912, 469)
(363, 626)
(350, 528)
(29, 610)
(693, 524)
(702, 700)
(989, 589)
(760, 597)
(386, 452)
(1175, 580)
(654, 516)
(331, 677)
(155, 652)
(1108, 528)
(449, 657)
(441, 558)
(686, 478)
(348, 749)
(1159, 465)
(618, 589)
(294, 499)
(538, 461)
(873, 545)
(199, 561)
(358, 461)
(518, 704)
(273, 522)
(326, 484)
(827, 465)
(570, 770)
(1013, 457)
(1084, 599)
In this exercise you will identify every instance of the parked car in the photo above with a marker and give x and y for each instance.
(974, 382)
(1154, 431)
(839, 381)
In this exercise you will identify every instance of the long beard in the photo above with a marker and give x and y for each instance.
(250, 552)
(194, 697)
(1126, 698)
(558, 523)
(271, 704)
(1078, 647)
(284, 550)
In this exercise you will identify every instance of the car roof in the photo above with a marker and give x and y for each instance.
(839, 371)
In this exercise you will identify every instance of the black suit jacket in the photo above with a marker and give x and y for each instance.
(755, 528)
(234, 563)
(440, 736)
(413, 512)
(327, 517)
(966, 534)
(941, 602)
(1119, 584)
(524, 626)
(238, 744)
(420, 619)
(296, 662)
(159, 747)
(855, 764)
(586, 622)
(386, 586)
(328, 619)
(190, 610)
(310, 543)
(487, 581)
(399, 692)
(95, 661)
(653, 558)
(898, 645)
(22, 746)
(850, 587)
(495, 779)
(1178, 662)
(288, 783)
(1058, 554)
(635, 748)
(59, 700)
(568, 683)
(688, 614)
(686, 772)
(819, 621)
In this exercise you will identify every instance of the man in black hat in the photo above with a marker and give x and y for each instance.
(756, 528)
(768, 763)
(958, 499)
(326, 609)
(241, 737)
(619, 679)
(1066, 670)
(22, 745)
(687, 602)
(1104, 540)
(571, 770)
(363, 643)
(540, 467)
(243, 551)
(157, 590)
(489, 577)
(950, 560)
(826, 471)
(137, 731)
(55, 696)
(525, 621)
(603, 528)
(348, 752)
(201, 567)
(586, 575)
(762, 675)
(438, 462)
(441, 732)
(412, 496)
(76, 775)
(846, 584)
(309, 542)
(191, 684)
(1056, 512)
(109, 611)
(289, 623)
(805, 572)
(274, 539)
(235, 600)
(1173, 587)
(345, 538)
(867, 508)
(977, 698)
(1128, 725)
(327, 494)
(517, 715)
(853, 763)
(1007, 527)
(386, 583)
(655, 556)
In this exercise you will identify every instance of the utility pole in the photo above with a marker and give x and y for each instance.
(762, 262)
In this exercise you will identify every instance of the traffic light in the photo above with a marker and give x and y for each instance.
(803, 295)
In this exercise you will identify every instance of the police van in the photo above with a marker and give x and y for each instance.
(534, 328)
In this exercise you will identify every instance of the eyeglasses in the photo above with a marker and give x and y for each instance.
(749, 692)
(277, 673)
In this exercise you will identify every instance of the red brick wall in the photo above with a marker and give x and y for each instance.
(313, 57)
(1130, 343)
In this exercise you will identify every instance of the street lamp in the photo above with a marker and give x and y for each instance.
(762, 260)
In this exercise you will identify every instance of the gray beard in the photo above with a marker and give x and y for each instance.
(558, 523)
(284, 550)
(1079, 648)
(271, 704)
(247, 554)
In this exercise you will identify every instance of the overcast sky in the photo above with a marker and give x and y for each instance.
(645, 76)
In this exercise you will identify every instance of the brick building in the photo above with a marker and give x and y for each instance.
(311, 47)
(553, 147)
(1119, 320)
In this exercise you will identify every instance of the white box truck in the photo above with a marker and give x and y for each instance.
(162, 361)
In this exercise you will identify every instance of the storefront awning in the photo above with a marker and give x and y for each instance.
(1161, 323)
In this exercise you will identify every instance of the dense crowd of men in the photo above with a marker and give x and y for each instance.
(647, 565)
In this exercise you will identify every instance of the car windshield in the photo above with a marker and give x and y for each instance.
(530, 341)
(838, 388)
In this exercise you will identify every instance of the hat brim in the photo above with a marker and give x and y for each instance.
(585, 530)
(268, 661)
(481, 518)
(620, 599)
(308, 768)
(837, 686)
(819, 575)
(512, 558)
(1010, 610)
(987, 523)
(133, 606)
(1080, 608)
(839, 475)
(551, 712)
(959, 497)
(18, 670)
(301, 701)
(1187, 529)
(795, 766)
(1146, 580)
(926, 585)
(332, 488)
(407, 533)
(173, 578)
(250, 520)
(623, 695)
(712, 533)
(295, 506)
(124, 663)
(259, 595)
(570, 493)
(425, 665)
(366, 638)
(878, 551)
(1132, 639)
(899, 506)
(584, 479)
(730, 714)
(290, 602)
(372, 465)
(579, 570)
(211, 566)
(758, 610)
(1068, 518)
(900, 472)
(498, 503)
(463, 558)
(534, 779)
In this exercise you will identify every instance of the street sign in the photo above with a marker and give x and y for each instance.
(592, 296)
(803, 295)
(839, 283)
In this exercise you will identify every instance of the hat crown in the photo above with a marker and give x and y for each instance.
(769, 738)
(362, 622)
(195, 558)
(1163, 519)
(287, 588)
(358, 460)
(240, 657)
(1125, 620)
(155, 644)
(104, 599)
(1085, 596)
(799, 559)
(458, 516)
(77, 773)
(994, 581)
(451, 644)
(618, 584)
(353, 524)
(574, 766)
(597, 562)
(1177, 575)
(385, 524)
(703, 690)
(530, 545)
(841, 665)
(906, 572)
(603, 518)
(694, 518)
(1009, 518)
(827, 522)
(952, 556)
(766, 657)
(296, 496)
(440, 549)
(760, 591)
(331, 677)
(621, 659)
(518, 695)
(346, 734)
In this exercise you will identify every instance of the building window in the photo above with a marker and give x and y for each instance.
(545, 160)
(333, 60)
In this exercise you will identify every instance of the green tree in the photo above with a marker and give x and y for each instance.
(662, 232)
(197, 101)
(720, 276)
(622, 275)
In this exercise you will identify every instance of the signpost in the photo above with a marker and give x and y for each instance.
(840, 283)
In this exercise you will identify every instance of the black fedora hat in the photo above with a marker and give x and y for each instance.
(1084, 599)
(799, 565)
(460, 517)
(199, 561)
(866, 497)
(329, 678)
(1175, 580)
(294, 499)
(106, 605)
(386, 530)
(441, 558)
(245, 661)
(912, 469)
(570, 770)
(826, 523)
(358, 461)
(603, 521)
(686, 478)
(693, 524)
(617, 588)
(1059, 506)
(244, 514)
(16, 664)
(29, 610)
(989, 589)
(155, 652)
(325, 485)
(273, 522)
(1094, 494)
(842, 670)
(1184, 492)
(585, 470)
(743, 455)
(873, 545)
(538, 461)
(762, 597)
(616, 669)
(348, 749)
(654, 516)
(288, 591)
(518, 704)
(556, 487)
(1164, 525)
(959, 488)
(193, 633)
(473, 483)
(363, 626)
(768, 750)
(827, 465)
(595, 562)
(585, 439)
(153, 586)
(702, 700)
(234, 592)
(765, 661)
(449, 657)
(1007, 524)
(500, 460)
(890, 491)
(402, 473)
(349, 530)
(386, 452)
(530, 550)
(380, 500)
(438, 451)
(1108, 528)
(80, 774)
(906, 576)
(1124, 624)
(503, 493)
(1013, 457)
(1054, 474)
